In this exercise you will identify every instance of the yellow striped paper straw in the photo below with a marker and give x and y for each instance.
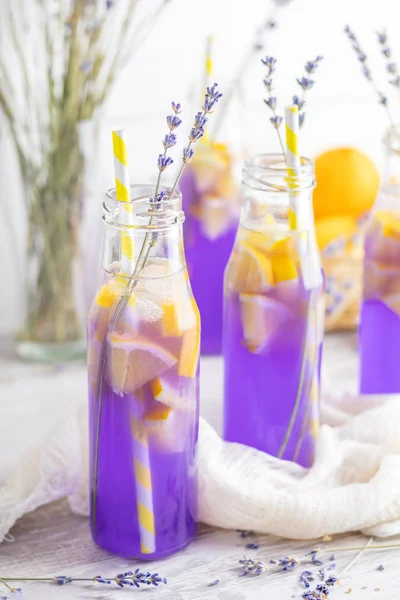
(143, 483)
(293, 160)
(140, 447)
(123, 194)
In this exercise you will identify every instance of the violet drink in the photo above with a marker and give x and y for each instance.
(379, 335)
(272, 347)
(211, 198)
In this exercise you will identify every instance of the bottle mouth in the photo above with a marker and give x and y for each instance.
(269, 173)
(141, 212)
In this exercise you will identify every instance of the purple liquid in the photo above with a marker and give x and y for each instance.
(174, 482)
(146, 431)
(379, 340)
(206, 261)
(261, 387)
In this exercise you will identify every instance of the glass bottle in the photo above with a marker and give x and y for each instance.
(143, 364)
(210, 186)
(379, 335)
(273, 317)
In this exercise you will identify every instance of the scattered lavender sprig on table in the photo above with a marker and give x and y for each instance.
(363, 58)
(133, 579)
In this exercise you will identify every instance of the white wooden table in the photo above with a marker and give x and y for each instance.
(52, 541)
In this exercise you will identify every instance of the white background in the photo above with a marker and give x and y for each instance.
(342, 110)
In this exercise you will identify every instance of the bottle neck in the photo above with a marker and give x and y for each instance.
(391, 173)
(142, 232)
(270, 192)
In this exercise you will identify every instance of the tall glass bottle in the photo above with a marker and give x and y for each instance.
(273, 319)
(379, 336)
(143, 357)
(210, 187)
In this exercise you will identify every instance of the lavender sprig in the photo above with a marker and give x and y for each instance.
(362, 57)
(164, 161)
(212, 97)
(271, 101)
(306, 84)
(256, 45)
(134, 579)
(391, 67)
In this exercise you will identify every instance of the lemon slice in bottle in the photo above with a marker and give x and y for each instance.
(262, 317)
(136, 361)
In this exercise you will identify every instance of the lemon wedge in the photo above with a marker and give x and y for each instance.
(261, 318)
(135, 361)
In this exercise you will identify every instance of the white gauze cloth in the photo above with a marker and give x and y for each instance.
(353, 485)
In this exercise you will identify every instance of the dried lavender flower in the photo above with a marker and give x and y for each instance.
(164, 161)
(381, 568)
(252, 546)
(212, 97)
(169, 140)
(215, 582)
(173, 122)
(362, 57)
(276, 121)
(176, 107)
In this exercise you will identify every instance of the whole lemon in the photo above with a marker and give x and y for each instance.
(347, 183)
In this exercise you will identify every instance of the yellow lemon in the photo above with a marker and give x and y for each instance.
(171, 320)
(282, 256)
(261, 318)
(347, 183)
(190, 349)
(329, 229)
(390, 222)
(136, 361)
(250, 270)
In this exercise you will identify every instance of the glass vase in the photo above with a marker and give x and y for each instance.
(379, 335)
(59, 250)
(143, 363)
(273, 320)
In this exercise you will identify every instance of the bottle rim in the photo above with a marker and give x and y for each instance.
(269, 173)
(141, 214)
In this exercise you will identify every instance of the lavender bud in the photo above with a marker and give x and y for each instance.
(213, 93)
(387, 52)
(271, 102)
(196, 134)
(176, 108)
(382, 37)
(268, 84)
(276, 121)
(302, 117)
(173, 122)
(391, 68)
(269, 61)
(187, 155)
(305, 84)
(164, 162)
(367, 73)
(382, 100)
(169, 140)
(200, 120)
(298, 102)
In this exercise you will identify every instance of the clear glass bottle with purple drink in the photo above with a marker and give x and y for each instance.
(143, 356)
(273, 317)
(211, 196)
(379, 335)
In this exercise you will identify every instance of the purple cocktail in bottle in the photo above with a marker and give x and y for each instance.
(273, 319)
(211, 202)
(143, 355)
